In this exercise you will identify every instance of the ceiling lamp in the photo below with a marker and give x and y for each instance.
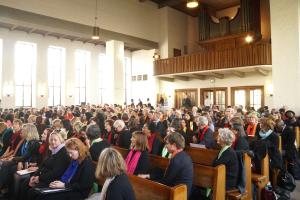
(192, 3)
(96, 29)
(248, 38)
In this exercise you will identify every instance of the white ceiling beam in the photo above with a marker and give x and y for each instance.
(262, 71)
(198, 76)
(182, 78)
(239, 74)
(166, 79)
(218, 75)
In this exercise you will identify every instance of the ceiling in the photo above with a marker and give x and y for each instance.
(181, 5)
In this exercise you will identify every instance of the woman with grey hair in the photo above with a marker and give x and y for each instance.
(123, 134)
(227, 157)
(204, 135)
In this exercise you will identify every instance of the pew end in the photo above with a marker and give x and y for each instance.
(145, 189)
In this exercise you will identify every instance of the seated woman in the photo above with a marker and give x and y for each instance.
(28, 152)
(108, 132)
(240, 142)
(77, 179)
(137, 160)
(111, 169)
(53, 167)
(227, 157)
(154, 144)
(95, 143)
(253, 127)
(122, 135)
(180, 168)
(204, 134)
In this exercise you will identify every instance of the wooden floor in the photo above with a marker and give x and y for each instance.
(296, 194)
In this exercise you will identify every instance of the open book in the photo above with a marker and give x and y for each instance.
(202, 146)
(51, 190)
(24, 172)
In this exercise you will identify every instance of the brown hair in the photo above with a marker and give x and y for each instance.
(18, 121)
(3, 126)
(110, 164)
(267, 124)
(141, 143)
(76, 144)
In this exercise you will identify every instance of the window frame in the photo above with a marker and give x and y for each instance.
(247, 92)
(214, 90)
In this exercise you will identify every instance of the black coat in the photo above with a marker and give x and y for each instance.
(208, 139)
(288, 143)
(156, 146)
(97, 148)
(124, 139)
(120, 189)
(179, 171)
(143, 163)
(242, 144)
(229, 159)
(83, 179)
(32, 153)
(53, 167)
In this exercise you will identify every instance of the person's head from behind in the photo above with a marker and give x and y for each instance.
(139, 141)
(110, 164)
(57, 124)
(174, 142)
(93, 132)
(30, 132)
(57, 137)
(225, 137)
(119, 125)
(77, 149)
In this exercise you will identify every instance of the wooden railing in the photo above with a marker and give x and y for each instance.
(249, 55)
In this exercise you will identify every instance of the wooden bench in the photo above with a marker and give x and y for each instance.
(261, 179)
(145, 189)
(207, 156)
(204, 176)
(297, 137)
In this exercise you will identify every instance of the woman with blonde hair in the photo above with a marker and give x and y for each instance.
(137, 160)
(111, 168)
(28, 154)
(78, 178)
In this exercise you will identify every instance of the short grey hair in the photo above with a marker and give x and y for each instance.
(201, 120)
(119, 123)
(226, 135)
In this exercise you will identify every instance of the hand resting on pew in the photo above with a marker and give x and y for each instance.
(144, 176)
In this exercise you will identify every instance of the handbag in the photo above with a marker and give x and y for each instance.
(268, 194)
(286, 181)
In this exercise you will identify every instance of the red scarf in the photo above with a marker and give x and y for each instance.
(109, 135)
(132, 160)
(235, 142)
(151, 141)
(15, 138)
(251, 129)
(202, 133)
(43, 148)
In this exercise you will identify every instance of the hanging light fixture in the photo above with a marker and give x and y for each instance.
(192, 3)
(96, 29)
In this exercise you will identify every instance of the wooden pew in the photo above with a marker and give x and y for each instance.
(204, 176)
(261, 179)
(207, 156)
(145, 189)
(122, 151)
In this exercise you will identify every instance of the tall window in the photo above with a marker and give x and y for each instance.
(56, 56)
(1, 86)
(82, 61)
(127, 79)
(248, 96)
(25, 63)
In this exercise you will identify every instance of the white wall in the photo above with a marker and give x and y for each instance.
(229, 81)
(129, 17)
(286, 52)
(9, 40)
(142, 63)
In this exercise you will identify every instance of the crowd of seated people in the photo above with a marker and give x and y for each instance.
(62, 146)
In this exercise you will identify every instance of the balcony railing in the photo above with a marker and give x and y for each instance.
(249, 55)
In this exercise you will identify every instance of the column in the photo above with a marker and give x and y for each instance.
(41, 76)
(285, 53)
(8, 74)
(69, 94)
(115, 56)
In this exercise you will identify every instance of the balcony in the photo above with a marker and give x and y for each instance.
(248, 55)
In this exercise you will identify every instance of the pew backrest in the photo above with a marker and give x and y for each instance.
(297, 137)
(122, 151)
(145, 189)
(202, 156)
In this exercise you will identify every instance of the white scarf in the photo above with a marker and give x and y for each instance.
(105, 187)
